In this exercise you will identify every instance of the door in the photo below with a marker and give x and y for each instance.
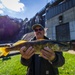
(63, 32)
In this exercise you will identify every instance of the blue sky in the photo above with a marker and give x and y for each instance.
(21, 8)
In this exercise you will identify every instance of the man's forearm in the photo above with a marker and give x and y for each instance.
(59, 60)
(25, 62)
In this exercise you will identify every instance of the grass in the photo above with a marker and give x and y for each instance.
(14, 67)
(69, 67)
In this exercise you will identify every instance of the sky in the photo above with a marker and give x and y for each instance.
(21, 8)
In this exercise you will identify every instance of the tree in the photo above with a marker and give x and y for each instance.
(8, 28)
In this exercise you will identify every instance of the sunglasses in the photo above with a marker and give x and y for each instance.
(40, 29)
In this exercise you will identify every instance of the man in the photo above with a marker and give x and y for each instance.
(49, 61)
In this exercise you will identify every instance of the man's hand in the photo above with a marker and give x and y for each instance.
(48, 54)
(27, 53)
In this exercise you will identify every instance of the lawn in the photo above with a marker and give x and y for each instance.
(12, 66)
(69, 67)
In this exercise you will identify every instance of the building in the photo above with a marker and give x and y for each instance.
(60, 21)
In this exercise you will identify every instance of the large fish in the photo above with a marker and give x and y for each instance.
(37, 45)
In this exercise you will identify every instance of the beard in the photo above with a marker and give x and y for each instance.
(39, 35)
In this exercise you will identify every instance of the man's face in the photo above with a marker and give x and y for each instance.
(39, 32)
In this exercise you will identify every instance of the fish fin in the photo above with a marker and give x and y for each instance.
(19, 42)
(3, 51)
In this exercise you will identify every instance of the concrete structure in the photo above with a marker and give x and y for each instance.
(60, 21)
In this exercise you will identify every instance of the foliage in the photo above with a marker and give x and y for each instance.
(8, 27)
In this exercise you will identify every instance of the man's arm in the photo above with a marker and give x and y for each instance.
(26, 56)
(59, 59)
(54, 57)
(25, 62)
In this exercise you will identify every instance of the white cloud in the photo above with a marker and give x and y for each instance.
(14, 5)
(1, 12)
(1, 6)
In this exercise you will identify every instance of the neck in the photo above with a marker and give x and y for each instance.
(39, 38)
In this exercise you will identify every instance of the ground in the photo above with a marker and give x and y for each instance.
(71, 51)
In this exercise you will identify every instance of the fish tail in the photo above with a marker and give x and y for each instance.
(3, 51)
